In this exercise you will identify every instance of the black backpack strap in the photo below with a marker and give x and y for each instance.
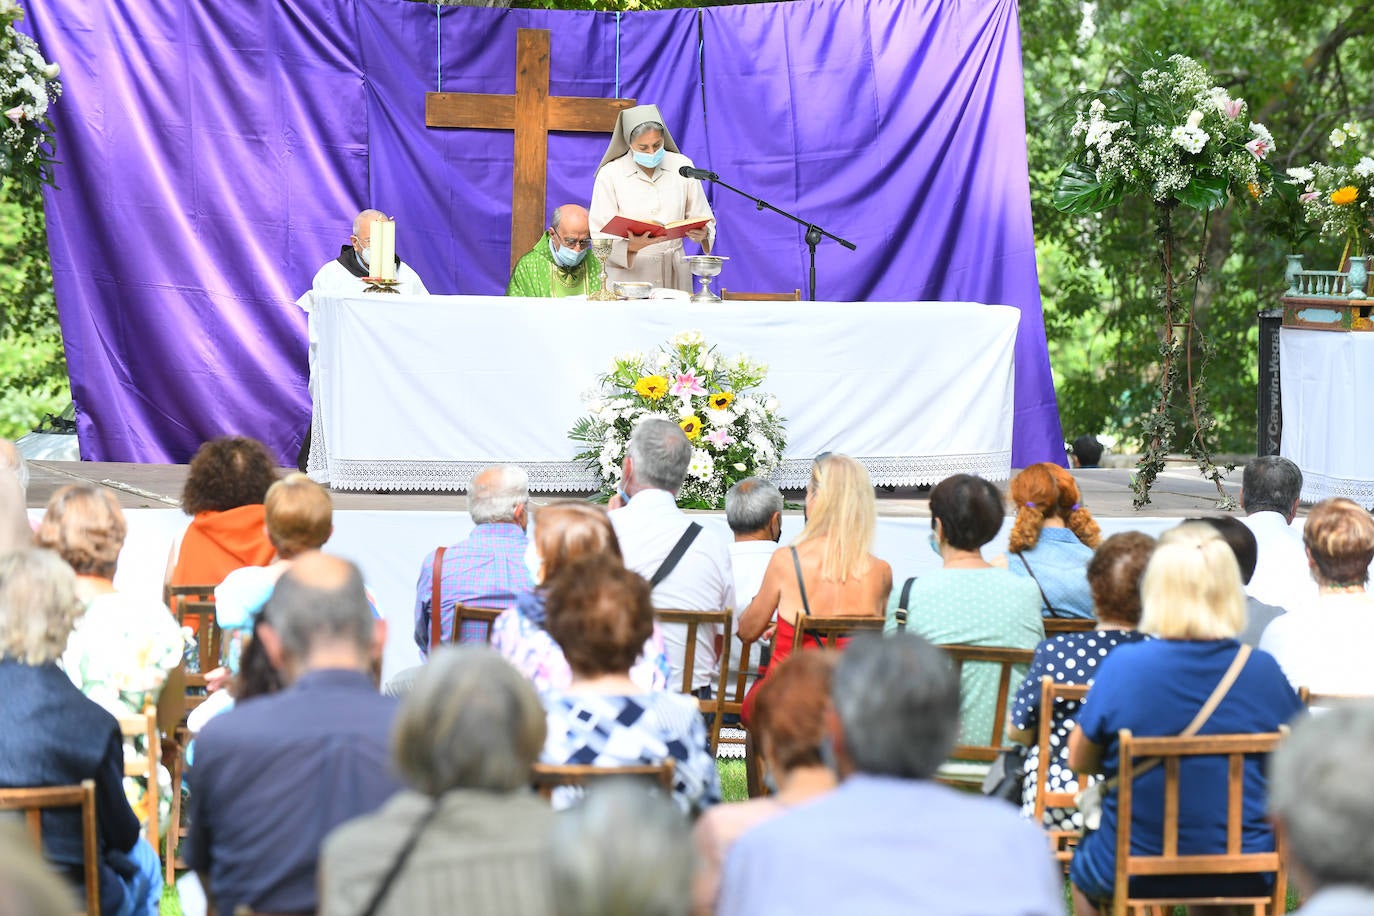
(675, 555)
(902, 613)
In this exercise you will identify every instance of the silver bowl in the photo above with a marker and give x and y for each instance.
(633, 289)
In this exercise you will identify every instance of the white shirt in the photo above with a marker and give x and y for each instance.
(749, 560)
(1281, 575)
(648, 527)
(1326, 649)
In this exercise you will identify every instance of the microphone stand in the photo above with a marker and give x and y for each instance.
(814, 233)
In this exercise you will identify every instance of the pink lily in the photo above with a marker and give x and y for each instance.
(720, 438)
(1258, 147)
(1232, 108)
(1310, 195)
(15, 114)
(686, 383)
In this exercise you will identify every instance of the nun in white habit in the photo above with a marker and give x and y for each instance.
(638, 177)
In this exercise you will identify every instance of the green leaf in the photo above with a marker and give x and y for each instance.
(1079, 191)
(1207, 192)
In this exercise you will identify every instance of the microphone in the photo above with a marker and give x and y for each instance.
(704, 174)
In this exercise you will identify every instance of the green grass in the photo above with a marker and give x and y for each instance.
(732, 782)
(171, 903)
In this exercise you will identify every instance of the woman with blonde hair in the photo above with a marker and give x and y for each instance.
(829, 569)
(1194, 605)
(1053, 538)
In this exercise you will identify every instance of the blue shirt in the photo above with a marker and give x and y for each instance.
(1155, 688)
(274, 775)
(485, 570)
(1060, 563)
(893, 846)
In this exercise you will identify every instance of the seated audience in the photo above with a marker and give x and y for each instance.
(28, 886)
(1326, 648)
(125, 651)
(467, 827)
(829, 569)
(1073, 658)
(1193, 602)
(892, 840)
(1269, 492)
(753, 510)
(273, 776)
(1087, 451)
(1241, 540)
(789, 717)
(1325, 810)
(225, 487)
(1052, 539)
(54, 736)
(969, 600)
(485, 569)
(562, 533)
(622, 852)
(650, 526)
(600, 613)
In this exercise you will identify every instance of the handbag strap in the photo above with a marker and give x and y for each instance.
(1043, 597)
(675, 555)
(384, 887)
(801, 584)
(436, 620)
(902, 611)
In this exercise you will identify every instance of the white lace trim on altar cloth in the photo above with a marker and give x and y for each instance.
(576, 477)
(1316, 487)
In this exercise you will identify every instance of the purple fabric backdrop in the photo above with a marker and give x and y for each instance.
(214, 154)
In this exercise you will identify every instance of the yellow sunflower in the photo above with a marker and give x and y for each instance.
(691, 426)
(721, 400)
(1346, 195)
(652, 387)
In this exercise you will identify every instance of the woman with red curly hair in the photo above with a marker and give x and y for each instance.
(1052, 539)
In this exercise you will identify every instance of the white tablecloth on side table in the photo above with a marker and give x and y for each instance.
(1327, 380)
(420, 393)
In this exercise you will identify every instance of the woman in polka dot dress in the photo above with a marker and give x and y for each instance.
(1072, 658)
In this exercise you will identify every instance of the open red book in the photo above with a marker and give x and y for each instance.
(624, 227)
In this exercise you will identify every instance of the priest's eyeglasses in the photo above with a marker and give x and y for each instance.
(572, 243)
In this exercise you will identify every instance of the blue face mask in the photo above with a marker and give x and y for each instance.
(566, 257)
(650, 160)
(935, 544)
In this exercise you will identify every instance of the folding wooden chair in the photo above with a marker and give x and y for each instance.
(1007, 659)
(548, 776)
(144, 766)
(1056, 625)
(736, 295)
(694, 621)
(813, 631)
(1061, 841)
(1134, 753)
(32, 802)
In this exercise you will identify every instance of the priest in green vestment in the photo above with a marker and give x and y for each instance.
(561, 263)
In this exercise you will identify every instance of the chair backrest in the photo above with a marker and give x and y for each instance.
(144, 765)
(732, 294)
(549, 776)
(1052, 692)
(694, 621)
(826, 632)
(32, 802)
(466, 613)
(1006, 659)
(194, 606)
(1135, 753)
(1056, 625)
(1310, 699)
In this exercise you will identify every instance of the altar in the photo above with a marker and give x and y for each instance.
(1325, 380)
(421, 393)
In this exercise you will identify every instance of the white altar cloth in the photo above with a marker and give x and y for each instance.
(1326, 379)
(421, 393)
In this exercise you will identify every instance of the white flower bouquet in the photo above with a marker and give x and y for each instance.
(28, 85)
(734, 428)
(1338, 196)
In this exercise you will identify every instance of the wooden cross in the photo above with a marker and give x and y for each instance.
(531, 113)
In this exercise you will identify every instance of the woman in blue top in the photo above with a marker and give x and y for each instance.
(1194, 603)
(1052, 539)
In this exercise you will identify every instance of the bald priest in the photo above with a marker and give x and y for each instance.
(560, 263)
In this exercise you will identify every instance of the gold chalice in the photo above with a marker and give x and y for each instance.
(602, 248)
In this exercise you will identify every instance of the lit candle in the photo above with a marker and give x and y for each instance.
(387, 250)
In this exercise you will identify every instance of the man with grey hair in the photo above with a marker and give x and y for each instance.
(753, 509)
(1269, 491)
(904, 843)
(273, 776)
(687, 565)
(560, 263)
(1322, 806)
(487, 569)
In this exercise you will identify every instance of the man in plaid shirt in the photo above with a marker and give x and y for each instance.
(488, 568)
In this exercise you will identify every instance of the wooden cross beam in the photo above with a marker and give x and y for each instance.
(531, 113)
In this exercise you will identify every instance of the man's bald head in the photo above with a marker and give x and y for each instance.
(571, 222)
(318, 603)
(10, 459)
(362, 224)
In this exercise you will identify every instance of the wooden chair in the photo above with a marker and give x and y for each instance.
(826, 632)
(549, 776)
(1056, 625)
(1133, 752)
(1006, 659)
(736, 295)
(733, 704)
(1062, 842)
(694, 620)
(194, 606)
(1310, 699)
(32, 802)
(176, 830)
(145, 765)
(466, 613)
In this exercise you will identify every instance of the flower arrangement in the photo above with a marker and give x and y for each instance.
(28, 85)
(735, 430)
(1338, 196)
